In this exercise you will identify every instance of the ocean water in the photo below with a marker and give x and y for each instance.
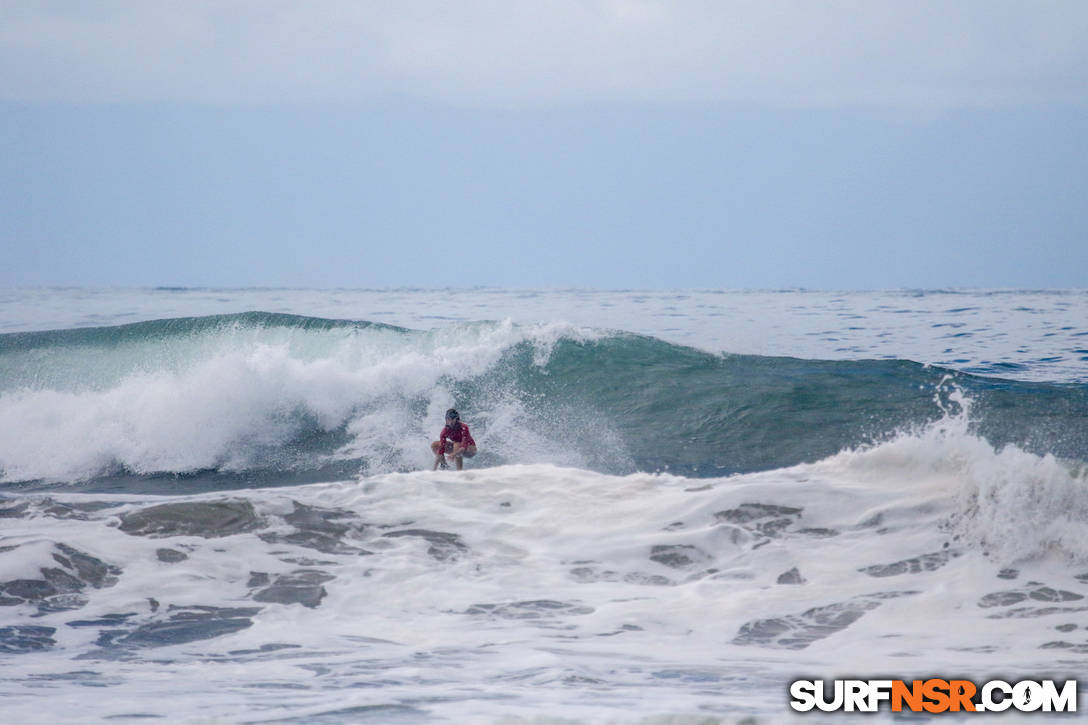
(217, 505)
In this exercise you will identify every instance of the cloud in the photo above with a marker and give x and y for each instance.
(920, 54)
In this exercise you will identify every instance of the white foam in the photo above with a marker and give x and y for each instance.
(232, 394)
(419, 626)
(1012, 504)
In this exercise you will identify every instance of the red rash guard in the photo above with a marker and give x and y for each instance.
(457, 435)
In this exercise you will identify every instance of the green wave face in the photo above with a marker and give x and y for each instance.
(263, 398)
(697, 413)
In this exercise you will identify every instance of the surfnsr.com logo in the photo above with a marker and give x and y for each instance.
(934, 695)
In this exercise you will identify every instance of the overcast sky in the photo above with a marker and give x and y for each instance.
(619, 143)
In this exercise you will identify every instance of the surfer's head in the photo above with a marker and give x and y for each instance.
(453, 417)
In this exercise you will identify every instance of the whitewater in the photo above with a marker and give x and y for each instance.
(217, 505)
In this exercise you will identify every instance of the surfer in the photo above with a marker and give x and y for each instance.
(454, 441)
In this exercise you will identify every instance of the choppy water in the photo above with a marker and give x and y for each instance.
(683, 500)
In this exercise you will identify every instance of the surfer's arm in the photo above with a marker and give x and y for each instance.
(439, 446)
